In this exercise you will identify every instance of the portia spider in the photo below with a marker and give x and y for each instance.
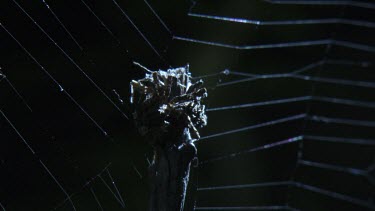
(167, 110)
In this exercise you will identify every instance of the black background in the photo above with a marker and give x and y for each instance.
(75, 150)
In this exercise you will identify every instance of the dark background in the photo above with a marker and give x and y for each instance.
(323, 175)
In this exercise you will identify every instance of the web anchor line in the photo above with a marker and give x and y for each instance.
(96, 199)
(255, 149)
(3, 76)
(115, 186)
(70, 59)
(305, 43)
(296, 75)
(331, 167)
(101, 22)
(87, 184)
(158, 17)
(365, 142)
(61, 88)
(333, 100)
(342, 121)
(360, 4)
(269, 207)
(303, 116)
(362, 64)
(253, 77)
(253, 185)
(360, 141)
(359, 23)
(40, 161)
(62, 25)
(113, 193)
(128, 18)
(137, 171)
(68, 32)
(138, 30)
(332, 194)
(2, 207)
(255, 126)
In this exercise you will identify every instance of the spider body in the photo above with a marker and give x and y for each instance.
(167, 110)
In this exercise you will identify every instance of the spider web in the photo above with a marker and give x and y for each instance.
(291, 109)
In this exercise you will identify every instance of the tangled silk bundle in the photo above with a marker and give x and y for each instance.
(168, 100)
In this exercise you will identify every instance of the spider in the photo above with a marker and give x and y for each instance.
(163, 97)
(168, 110)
